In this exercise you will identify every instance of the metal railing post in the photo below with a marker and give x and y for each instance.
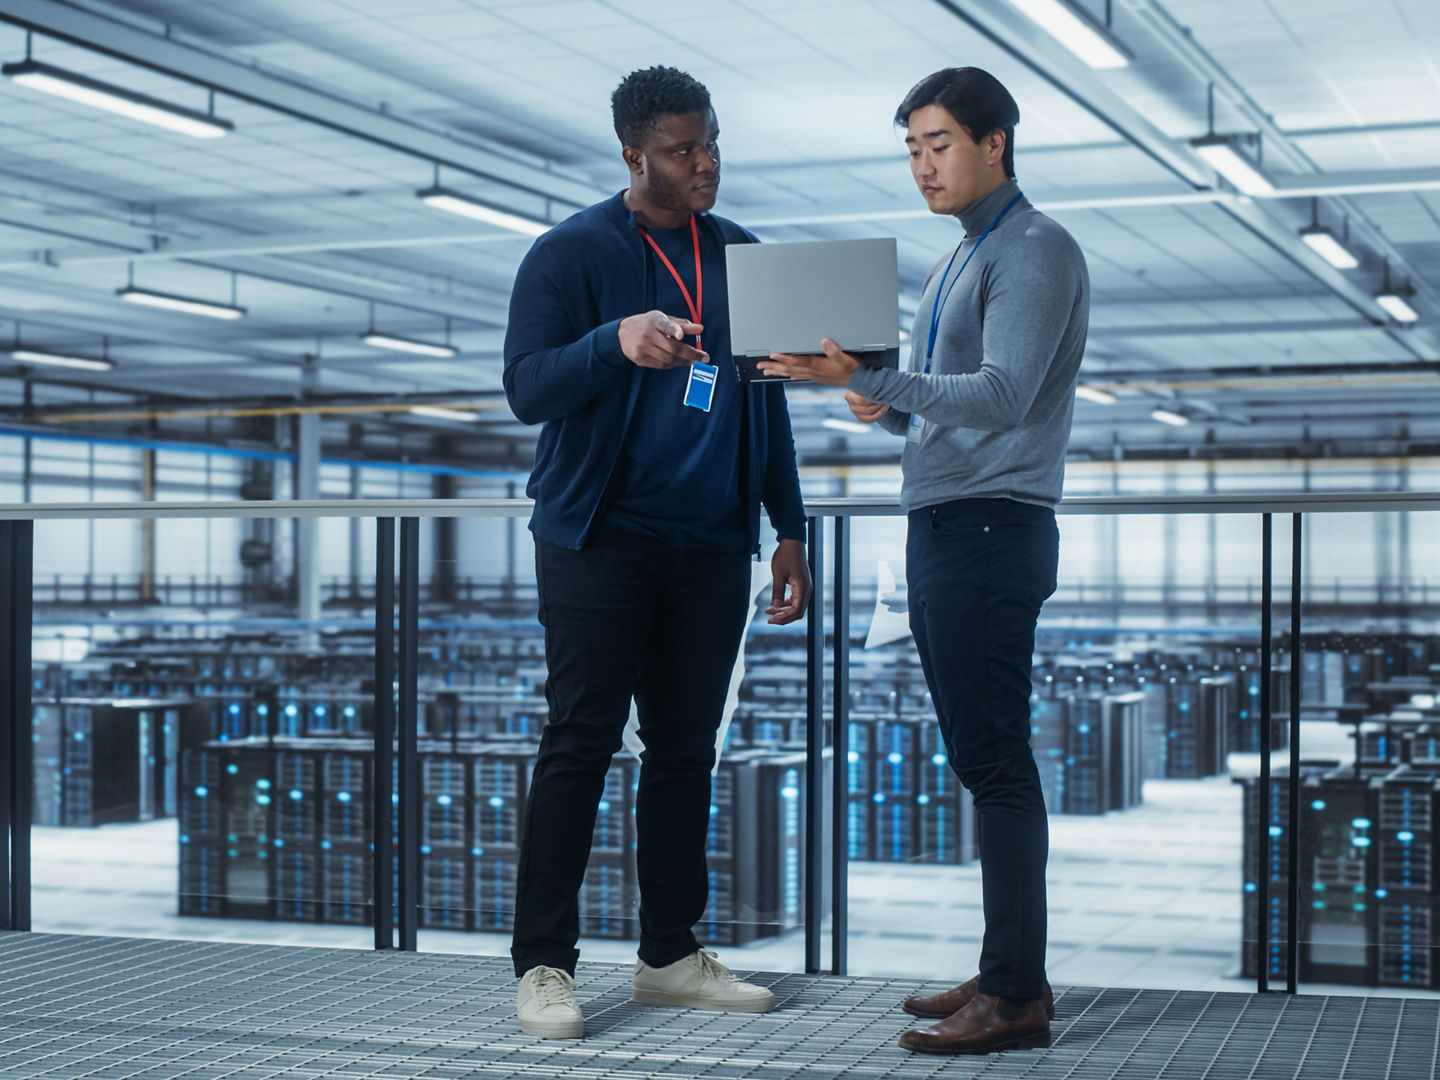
(814, 748)
(408, 720)
(839, 764)
(1262, 817)
(17, 774)
(1292, 975)
(382, 786)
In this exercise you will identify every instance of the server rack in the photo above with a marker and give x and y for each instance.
(280, 829)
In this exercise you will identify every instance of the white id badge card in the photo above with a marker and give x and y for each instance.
(916, 429)
(700, 389)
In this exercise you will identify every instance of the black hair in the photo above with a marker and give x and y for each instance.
(976, 99)
(644, 96)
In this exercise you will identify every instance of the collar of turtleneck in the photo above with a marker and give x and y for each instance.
(983, 210)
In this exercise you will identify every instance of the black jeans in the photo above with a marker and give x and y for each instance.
(627, 617)
(978, 572)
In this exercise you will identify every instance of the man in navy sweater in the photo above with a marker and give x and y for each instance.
(649, 474)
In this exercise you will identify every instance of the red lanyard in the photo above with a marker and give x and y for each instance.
(696, 304)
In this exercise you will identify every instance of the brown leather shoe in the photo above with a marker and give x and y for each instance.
(979, 1029)
(949, 1002)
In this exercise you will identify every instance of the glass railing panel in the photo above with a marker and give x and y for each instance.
(1145, 682)
(482, 680)
(202, 754)
(1369, 775)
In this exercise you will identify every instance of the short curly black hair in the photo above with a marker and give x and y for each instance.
(644, 96)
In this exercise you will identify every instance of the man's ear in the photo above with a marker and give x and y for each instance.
(634, 159)
(995, 145)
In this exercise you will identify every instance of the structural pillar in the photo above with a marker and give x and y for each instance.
(307, 529)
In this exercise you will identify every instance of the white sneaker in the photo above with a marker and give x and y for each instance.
(546, 1003)
(698, 982)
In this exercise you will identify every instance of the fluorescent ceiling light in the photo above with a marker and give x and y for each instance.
(1099, 397)
(1324, 243)
(1226, 159)
(435, 412)
(1165, 416)
(85, 363)
(854, 427)
(1078, 32)
(187, 304)
(1397, 306)
(408, 345)
(116, 99)
(445, 199)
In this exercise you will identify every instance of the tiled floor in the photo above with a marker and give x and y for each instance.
(1148, 897)
(126, 1009)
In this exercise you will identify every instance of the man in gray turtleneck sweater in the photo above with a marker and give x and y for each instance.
(985, 409)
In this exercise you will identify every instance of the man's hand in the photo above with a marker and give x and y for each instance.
(863, 409)
(653, 340)
(834, 367)
(789, 568)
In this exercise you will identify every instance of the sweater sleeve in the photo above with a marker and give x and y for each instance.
(1029, 300)
(552, 367)
(895, 421)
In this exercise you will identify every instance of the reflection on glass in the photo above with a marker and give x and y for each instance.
(483, 707)
(1144, 679)
(202, 759)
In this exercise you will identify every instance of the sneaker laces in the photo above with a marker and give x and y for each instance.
(553, 987)
(713, 968)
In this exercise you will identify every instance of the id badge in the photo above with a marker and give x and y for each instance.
(916, 429)
(700, 389)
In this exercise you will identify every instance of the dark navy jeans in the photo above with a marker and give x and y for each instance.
(627, 616)
(978, 572)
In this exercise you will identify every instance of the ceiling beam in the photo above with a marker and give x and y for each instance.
(1362, 182)
(1182, 45)
(1230, 329)
(1017, 35)
(247, 80)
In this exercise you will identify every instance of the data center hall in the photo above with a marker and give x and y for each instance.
(275, 678)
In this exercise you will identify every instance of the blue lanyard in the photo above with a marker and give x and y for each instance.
(941, 295)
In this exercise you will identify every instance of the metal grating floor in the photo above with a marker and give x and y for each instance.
(128, 1009)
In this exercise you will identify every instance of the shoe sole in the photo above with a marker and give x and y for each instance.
(683, 1001)
(554, 1029)
(1029, 1042)
(1049, 1013)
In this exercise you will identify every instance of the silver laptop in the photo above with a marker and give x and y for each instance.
(786, 297)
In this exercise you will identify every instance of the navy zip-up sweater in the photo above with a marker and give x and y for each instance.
(564, 369)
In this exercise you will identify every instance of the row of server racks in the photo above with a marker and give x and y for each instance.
(282, 829)
(1369, 865)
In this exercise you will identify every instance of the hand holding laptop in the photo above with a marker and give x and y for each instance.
(833, 366)
(786, 298)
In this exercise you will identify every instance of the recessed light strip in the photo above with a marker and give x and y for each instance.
(407, 345)
(36, 356)
(1079, 33)
(171, 302)
(1227, 159)
(1325, 244)
(437, 412)
(1397, 306)
(1095, 394)
(452, 201)
(115, 99)
(852, 427)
